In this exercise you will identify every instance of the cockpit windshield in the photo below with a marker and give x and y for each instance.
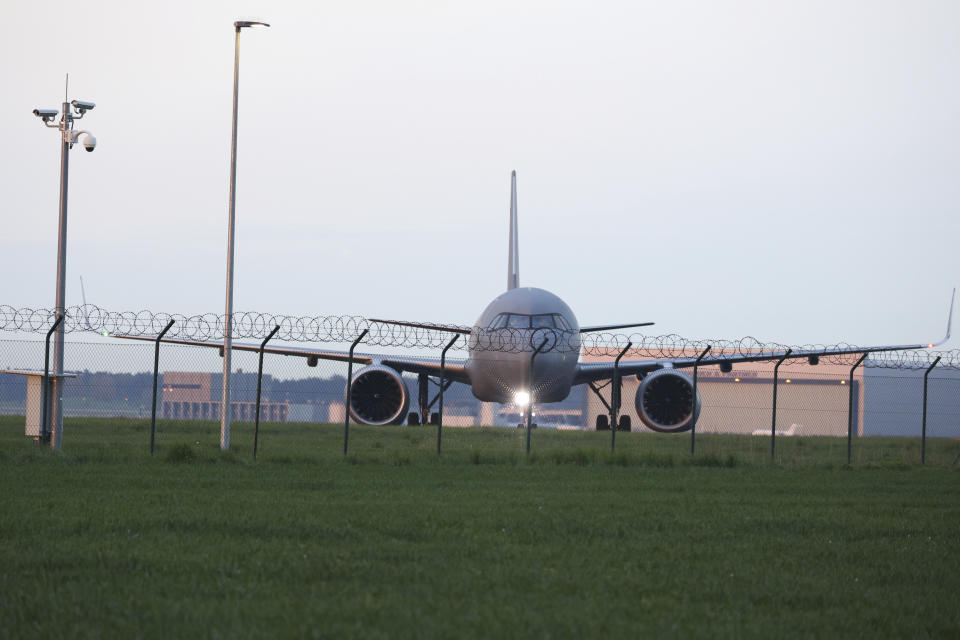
(526, 321)
(518, 321)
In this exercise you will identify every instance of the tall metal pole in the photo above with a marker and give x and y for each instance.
(228, 313)
(56, 435)
(67, 140)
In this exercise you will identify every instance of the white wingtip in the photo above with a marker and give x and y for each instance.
(949, 322)
(513, 257)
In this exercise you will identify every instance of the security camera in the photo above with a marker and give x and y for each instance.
(82, 106)
(89, 141)
(46, 114)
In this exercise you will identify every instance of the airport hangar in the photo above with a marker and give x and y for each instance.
(813, 400)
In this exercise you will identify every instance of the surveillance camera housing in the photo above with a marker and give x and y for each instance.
(81, 105)
(46, 114)
(89, 142)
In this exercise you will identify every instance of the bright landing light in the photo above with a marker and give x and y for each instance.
(522, 398)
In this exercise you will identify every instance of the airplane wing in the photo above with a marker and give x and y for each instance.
(610, 327)
(429, 326)
(454, 368)
(593, 371)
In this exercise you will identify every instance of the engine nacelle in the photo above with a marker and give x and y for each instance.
(665, 401)
(378, 395)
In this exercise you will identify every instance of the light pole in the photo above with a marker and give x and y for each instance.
(228, 315)
(74, 110)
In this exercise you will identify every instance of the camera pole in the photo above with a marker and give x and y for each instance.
(56, 433)
(67, 139)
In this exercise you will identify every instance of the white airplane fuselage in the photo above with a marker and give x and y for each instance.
(504, 338)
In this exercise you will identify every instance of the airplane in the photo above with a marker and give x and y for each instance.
(501, 347)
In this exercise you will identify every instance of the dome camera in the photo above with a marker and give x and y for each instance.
(89, 142)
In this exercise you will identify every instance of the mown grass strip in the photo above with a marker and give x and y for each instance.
(100, 539)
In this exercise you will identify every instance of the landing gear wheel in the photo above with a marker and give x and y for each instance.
(603, 423)
(434, 418)
(625, 423)
(413, 419)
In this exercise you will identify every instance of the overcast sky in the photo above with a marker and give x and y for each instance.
(787, 170)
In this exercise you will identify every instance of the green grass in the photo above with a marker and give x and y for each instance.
(103, 540)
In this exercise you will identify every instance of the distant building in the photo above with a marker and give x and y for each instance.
(814, 398)
(894, 402)
(811, 400)
(194, 395)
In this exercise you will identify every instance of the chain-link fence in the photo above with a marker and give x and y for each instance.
(114, 379)
(558, 336)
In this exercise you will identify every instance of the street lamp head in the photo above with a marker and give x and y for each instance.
(83, 106)
(240, 24)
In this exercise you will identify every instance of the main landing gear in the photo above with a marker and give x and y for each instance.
(603, 420)
(603, 423)
(424, 403)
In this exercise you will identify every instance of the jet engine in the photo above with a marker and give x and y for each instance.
(378, 395)
(665, 401)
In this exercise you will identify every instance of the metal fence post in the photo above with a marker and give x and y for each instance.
(256, 423)
(773, 421)
(443, 364)
(156, 370)
(44, 422)
(850, 405)
(346, 402)
(615, 398)
(530, 390)
(693, 427)
(923, 432)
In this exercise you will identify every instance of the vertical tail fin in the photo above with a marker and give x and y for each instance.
(513, 258)
(86, 317)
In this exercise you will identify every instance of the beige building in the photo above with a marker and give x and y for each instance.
(188, 395)
(815, 398)
(811, 400)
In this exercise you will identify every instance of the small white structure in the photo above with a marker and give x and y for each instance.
(794, 430)
(34, 408)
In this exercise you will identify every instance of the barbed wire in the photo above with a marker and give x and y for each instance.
(671, 346)
(345, 329)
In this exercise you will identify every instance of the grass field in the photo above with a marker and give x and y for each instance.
(103, 540)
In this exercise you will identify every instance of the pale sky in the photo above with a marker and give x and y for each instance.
(786, 170)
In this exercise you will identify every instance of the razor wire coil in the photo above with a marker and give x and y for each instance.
(250, 325)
